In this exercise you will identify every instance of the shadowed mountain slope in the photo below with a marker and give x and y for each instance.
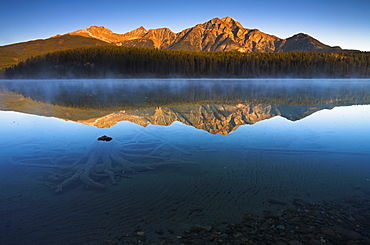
(12, 54)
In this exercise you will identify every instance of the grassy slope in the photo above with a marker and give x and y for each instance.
(12, 54)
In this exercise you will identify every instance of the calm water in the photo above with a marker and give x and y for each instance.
(183, 153)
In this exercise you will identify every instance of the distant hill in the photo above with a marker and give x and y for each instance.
(12, 54)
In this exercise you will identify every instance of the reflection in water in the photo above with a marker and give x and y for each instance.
(221, 119)
(305, 171)
(217, 106)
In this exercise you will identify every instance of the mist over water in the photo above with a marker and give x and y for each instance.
(184, 153)
(118, 93)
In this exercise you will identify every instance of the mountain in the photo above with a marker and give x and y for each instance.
(12, 54)
(217, 34)
(224, 34)
(302, 42)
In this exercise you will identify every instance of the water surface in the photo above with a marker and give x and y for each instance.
(184, 153)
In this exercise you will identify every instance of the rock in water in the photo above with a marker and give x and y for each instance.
(105, 138)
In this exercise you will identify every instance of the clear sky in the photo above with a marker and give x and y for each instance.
(344, 23)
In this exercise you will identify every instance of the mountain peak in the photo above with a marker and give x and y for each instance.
(231, 21)
(141, 28)
(137, 33)
(228, 19)
(215, 20)
(97, 28)
(98, 32)
(302, 35)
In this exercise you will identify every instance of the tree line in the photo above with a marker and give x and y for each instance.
(126, 62)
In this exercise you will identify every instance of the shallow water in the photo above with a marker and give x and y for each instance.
(191, 152)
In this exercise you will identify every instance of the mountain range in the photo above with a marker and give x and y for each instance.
(215, 119)
(217, 34)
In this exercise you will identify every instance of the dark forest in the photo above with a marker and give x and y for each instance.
(131, 62)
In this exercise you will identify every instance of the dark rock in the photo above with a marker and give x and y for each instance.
(266, 224)
(366, 239)
(353, 235)
(280, 227)
(206, 228)
(295, 242)
(348, 235)
(359, 217)
(328, 232)
(315, 242)
(105, 138)
(351, 219)
(281, 243)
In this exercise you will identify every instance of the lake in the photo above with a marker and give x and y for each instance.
(179, 161)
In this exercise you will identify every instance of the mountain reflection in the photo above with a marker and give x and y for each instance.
(222, 119)
(217, 106)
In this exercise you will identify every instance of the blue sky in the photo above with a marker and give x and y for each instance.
(345, 23)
